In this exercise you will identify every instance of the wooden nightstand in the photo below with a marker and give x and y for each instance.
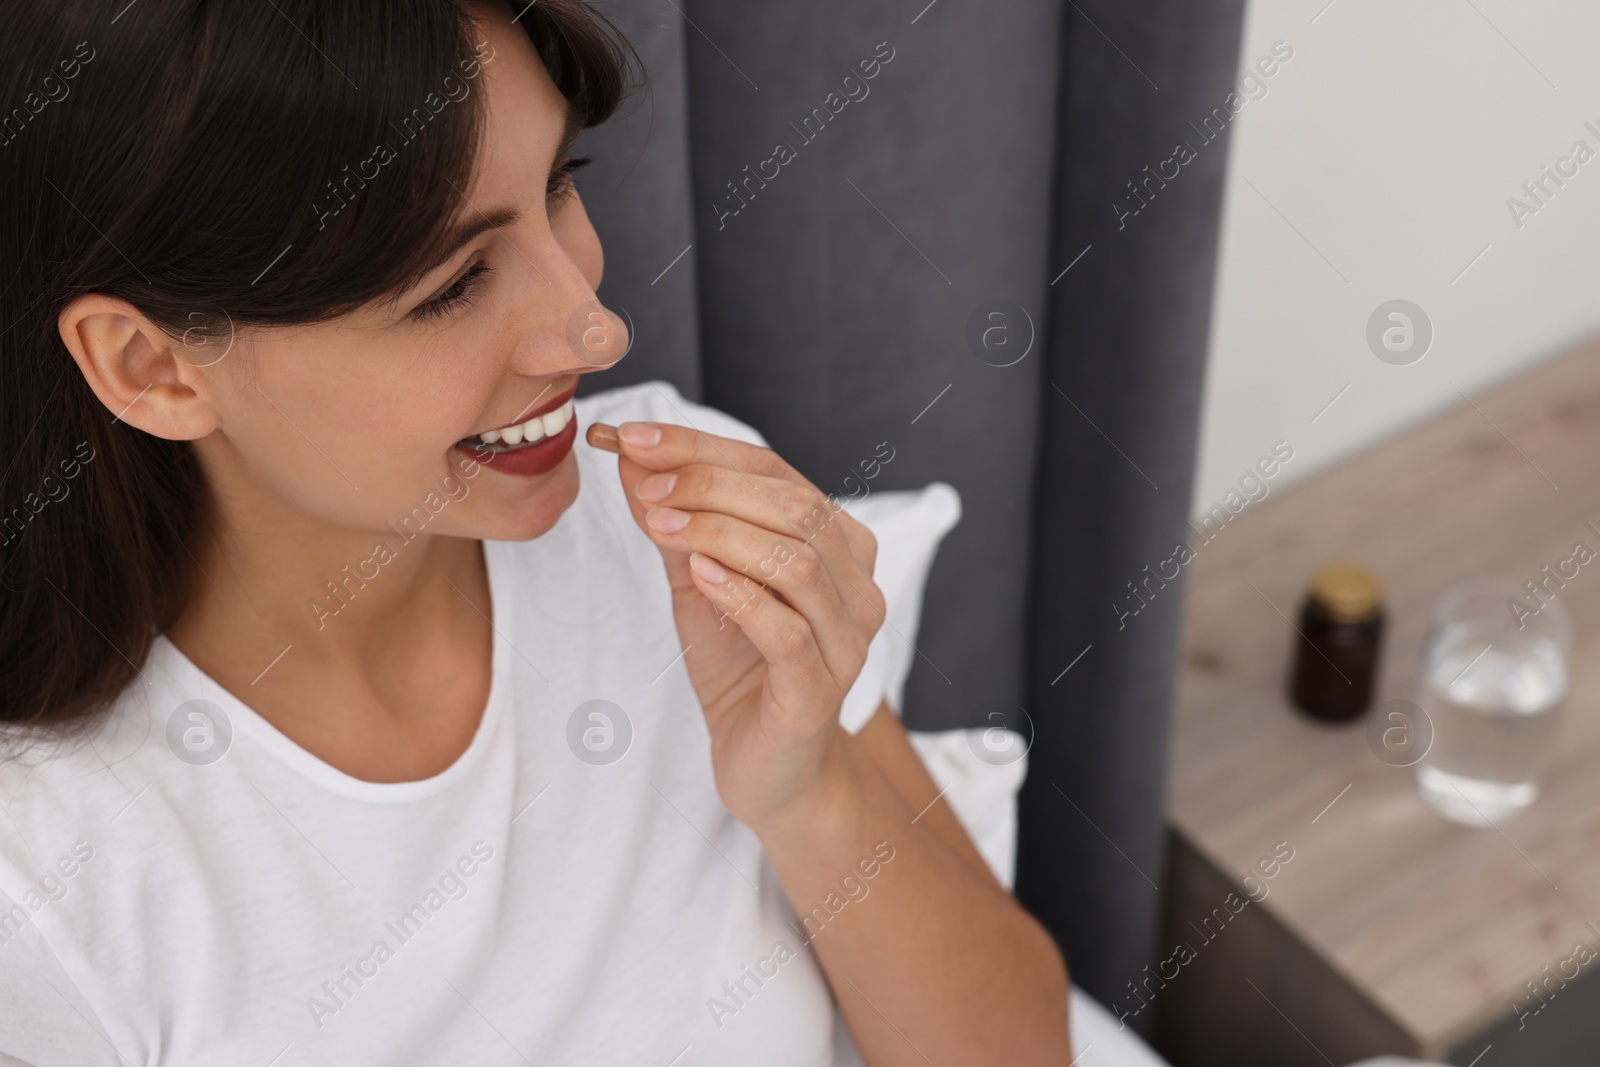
(1390, 929)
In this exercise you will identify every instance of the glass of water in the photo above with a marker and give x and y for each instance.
(1494, 678)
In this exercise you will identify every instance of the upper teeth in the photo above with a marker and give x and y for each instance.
(537, 428)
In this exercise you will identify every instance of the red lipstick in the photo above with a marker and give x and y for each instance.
(527, 460)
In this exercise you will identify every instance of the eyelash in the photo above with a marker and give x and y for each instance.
(561, 184)
(459, 295)
(461, 292)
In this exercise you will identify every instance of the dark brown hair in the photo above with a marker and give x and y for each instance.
(206, 163)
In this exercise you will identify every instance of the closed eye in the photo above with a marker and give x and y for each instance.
(560, 188)
(459, 294)
(561, 185)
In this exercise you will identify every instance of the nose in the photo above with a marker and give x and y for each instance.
(597, 336)
(562, 326)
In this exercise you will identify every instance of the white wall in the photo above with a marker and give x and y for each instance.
(1391, 141)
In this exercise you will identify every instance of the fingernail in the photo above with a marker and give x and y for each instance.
(666, 520)
(656, 487)
(640, 434)
(707, 568)
(603, 436)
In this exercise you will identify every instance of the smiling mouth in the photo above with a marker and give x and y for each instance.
(525, 434)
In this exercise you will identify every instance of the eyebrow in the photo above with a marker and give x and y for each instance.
(492, 221)
(571, 126)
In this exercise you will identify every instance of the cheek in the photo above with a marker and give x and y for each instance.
(351, 434)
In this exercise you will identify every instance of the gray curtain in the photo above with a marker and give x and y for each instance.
(894, 273)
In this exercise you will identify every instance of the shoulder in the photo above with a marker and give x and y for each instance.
(61, 846)
(55, 785)
(660, 401)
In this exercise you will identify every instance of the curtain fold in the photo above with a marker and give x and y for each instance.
(1129, 325)
(847, 225)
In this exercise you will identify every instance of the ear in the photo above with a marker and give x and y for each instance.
(133, 368)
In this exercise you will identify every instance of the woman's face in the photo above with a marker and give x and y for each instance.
(356, 422)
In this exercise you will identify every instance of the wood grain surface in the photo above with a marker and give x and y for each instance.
(1437, 926)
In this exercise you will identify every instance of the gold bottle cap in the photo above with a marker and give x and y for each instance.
(1347, 591)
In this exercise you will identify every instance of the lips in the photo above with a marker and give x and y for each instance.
(546, 421)
(534, 445)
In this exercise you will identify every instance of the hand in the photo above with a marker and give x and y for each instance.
(773, 596)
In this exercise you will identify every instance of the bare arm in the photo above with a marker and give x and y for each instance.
(936, 963)
(886, 740)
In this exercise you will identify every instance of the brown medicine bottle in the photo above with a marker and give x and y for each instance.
(1336, 659)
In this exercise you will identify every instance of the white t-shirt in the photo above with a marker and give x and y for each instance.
(528, 904)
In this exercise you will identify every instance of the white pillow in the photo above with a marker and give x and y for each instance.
(909, 524)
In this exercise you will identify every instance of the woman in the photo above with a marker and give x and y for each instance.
(357, 712)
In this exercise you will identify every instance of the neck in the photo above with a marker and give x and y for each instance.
(338, 599)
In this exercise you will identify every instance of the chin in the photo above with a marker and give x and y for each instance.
(522, 515)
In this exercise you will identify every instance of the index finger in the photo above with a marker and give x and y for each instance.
(662, 446)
